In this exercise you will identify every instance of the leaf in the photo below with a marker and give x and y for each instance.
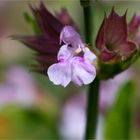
(29, 19)
(118, 121)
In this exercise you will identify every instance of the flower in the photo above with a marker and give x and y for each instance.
(72, 62)
(112, 39)
(117, 50)
(72, 66)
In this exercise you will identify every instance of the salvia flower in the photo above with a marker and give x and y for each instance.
(75, 61)
(61, 52)
(117, 50)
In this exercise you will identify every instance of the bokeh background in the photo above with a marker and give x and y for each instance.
(31, 107)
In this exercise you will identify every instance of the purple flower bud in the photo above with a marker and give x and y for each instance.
(117, 50)
(112, 40)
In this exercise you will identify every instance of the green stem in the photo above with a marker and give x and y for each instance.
(93, 93)
(88, 18)
(92, 109)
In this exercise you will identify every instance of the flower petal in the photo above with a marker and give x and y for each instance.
(107, 55)
(60, 73)
(70, 36)
(65, 52)
(88, 55)
(115, 28)
(83, 72)
(127, 50)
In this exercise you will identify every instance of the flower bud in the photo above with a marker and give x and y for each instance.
(117, 51)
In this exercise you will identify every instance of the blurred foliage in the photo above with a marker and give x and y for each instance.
(32, 123)
(29, 19)
(119, 119)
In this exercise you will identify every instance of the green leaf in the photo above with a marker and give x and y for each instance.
(29, 19)
(118, 121)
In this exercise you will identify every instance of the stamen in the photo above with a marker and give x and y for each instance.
(78, 50)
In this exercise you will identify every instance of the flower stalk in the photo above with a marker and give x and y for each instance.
(92, 109)
(93, 92)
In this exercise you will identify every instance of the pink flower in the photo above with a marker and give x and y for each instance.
(75, 61)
